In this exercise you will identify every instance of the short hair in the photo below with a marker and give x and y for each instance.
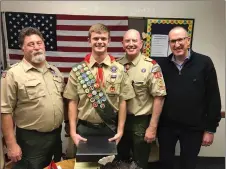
(120, 165)
(28, 31)
(98, 28)
(179, 27)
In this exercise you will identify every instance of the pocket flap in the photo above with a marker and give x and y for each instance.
(58, 79)
(32, 83)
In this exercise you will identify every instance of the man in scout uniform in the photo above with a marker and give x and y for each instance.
(144, 110)
(97, 90)
(31, 98)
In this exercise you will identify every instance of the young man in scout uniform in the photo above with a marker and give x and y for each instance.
(31, 98)
(97, 90)
(143, 111)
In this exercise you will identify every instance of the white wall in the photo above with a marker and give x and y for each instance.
(209, 31)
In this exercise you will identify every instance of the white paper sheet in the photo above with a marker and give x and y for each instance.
(159, 46)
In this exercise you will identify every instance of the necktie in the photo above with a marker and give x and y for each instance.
(100, 74)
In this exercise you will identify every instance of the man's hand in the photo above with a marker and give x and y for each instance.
(77, 138)
(207, 139)
(14, 152)
(116, 138)
(150, 134)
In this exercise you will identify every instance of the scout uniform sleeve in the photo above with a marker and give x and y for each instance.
(8, 92)
(156, 83)
(70, 91)
(127, 91)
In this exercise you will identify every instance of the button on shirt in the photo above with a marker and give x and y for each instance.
(33, 96)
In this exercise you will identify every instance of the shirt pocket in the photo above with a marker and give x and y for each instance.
(113, 91)
(59, 84)
(140, 87)
(34, 89)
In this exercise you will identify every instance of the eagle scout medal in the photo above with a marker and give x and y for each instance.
(143, 70)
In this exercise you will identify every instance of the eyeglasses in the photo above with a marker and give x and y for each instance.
(180, 40)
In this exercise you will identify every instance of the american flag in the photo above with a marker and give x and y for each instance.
(66, 36)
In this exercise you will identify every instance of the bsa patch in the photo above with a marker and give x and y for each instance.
(114, 69)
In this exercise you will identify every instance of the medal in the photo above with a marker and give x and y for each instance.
(95, 104)
(127, 67)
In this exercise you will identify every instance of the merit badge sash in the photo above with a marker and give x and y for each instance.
(96, 95)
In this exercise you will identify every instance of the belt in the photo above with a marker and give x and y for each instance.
(91, 125)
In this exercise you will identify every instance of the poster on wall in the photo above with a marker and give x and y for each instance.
(157, 29)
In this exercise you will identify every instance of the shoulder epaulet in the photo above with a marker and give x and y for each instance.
(118, 59)
(150, 60)
(15, 64)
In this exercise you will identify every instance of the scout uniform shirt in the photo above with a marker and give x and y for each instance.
(148, 82)
(115, 83)
(33, 96)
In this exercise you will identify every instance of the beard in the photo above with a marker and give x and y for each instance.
(38, 57)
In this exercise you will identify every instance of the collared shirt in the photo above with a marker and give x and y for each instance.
(180, 66)
(148, 82)
(116, 91)
(33, 97)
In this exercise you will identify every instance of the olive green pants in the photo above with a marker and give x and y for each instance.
(132, 143)
(38, 148)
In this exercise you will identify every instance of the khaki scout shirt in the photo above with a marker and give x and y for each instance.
(32, 96)
(123, 89)
(148, 82)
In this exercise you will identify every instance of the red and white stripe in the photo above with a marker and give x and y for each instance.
(72, 40)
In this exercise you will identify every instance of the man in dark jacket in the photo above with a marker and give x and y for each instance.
(191, 112)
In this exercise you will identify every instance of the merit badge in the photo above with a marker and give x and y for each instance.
(75, 69)
(95, 104)
(88, 83)
(82, 81)
(88, 72)
(84, 65)
(84, 75)
(79, 66)
(93, 81)
(92, 100)
(97, 97)
(89, 95)
(99, 101)
(90, 76)
(101, 94)
(86, 79)
(143, 70)
(157, 74)
(114, 69)
(112, 88)
(103, 99)
(102, 106)
(91, 88)
(77, 73)
(82, 70)
(94, 92)
(86, 68)
(80, 78)
(87, 90)
(84, 86)
(96, 85)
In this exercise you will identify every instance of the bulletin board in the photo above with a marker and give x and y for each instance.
(157, 29)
